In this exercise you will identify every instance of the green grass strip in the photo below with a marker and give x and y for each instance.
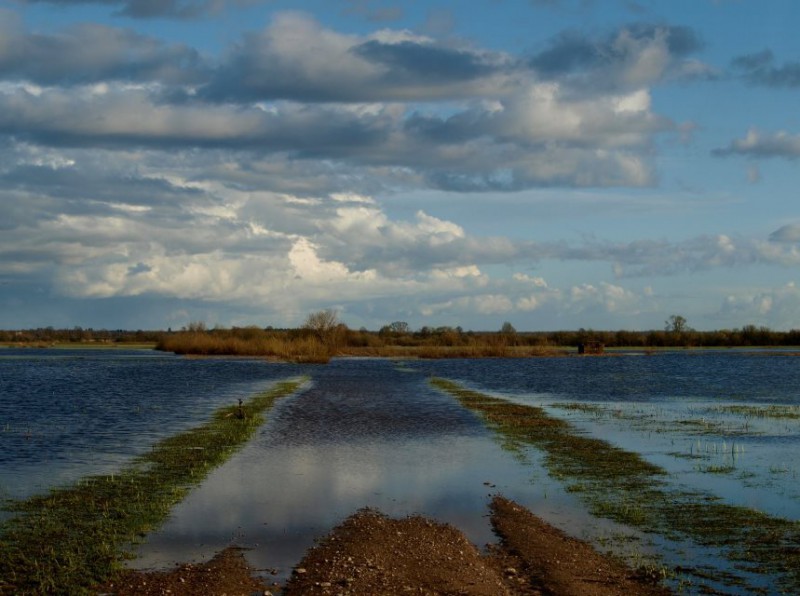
(622, 486)
(73, 538)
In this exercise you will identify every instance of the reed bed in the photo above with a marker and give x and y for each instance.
(303, 346)
(73, 538)
(300, 349)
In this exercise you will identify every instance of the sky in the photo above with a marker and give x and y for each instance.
(556, 164)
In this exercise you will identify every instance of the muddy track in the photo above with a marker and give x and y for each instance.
(371, 554)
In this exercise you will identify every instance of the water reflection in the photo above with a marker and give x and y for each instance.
(374, 433)
(703, 416)
(754, 377)
(362, 436)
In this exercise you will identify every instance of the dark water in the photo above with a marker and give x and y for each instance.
(68, 413)
(361, 401)
(749, 377)
(374, 433)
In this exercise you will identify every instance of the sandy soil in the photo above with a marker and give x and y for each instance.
(370, 554)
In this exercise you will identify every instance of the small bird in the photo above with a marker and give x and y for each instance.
(240, 414)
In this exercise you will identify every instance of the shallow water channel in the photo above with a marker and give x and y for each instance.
(363, 434)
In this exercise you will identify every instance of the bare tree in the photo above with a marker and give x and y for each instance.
(676, 324)
(400, 327)
(324, 324)
(508, 329)
(196, 327)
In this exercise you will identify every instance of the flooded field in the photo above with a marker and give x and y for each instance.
(65, 414)
(378, 433)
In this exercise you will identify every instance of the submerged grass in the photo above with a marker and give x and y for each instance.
(622, 486)
(568, 453)
(73, 538)
(770, 411)
(653, 420)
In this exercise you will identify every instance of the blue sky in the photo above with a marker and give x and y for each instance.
(552, 163)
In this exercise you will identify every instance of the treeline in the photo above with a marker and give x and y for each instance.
(323, 335)
(51, 335)
(322, 338)
(749, 335)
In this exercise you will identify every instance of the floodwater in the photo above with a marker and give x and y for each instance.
(366, 433)
(374, 433)
(65, 414)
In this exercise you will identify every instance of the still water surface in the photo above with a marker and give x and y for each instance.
(65, 414)
(371, 432)
(366, 433)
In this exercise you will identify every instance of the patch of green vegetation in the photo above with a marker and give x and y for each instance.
(622, 486)
(73, 538)
(718, 469)
(582, 407)
(575, 487)
(691, 455)
(628, 511)
(699, 427)
(652, 420)
(771, 411)
(568, 453)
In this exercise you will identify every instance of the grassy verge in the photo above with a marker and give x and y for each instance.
(75, 537)
(622, 486)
